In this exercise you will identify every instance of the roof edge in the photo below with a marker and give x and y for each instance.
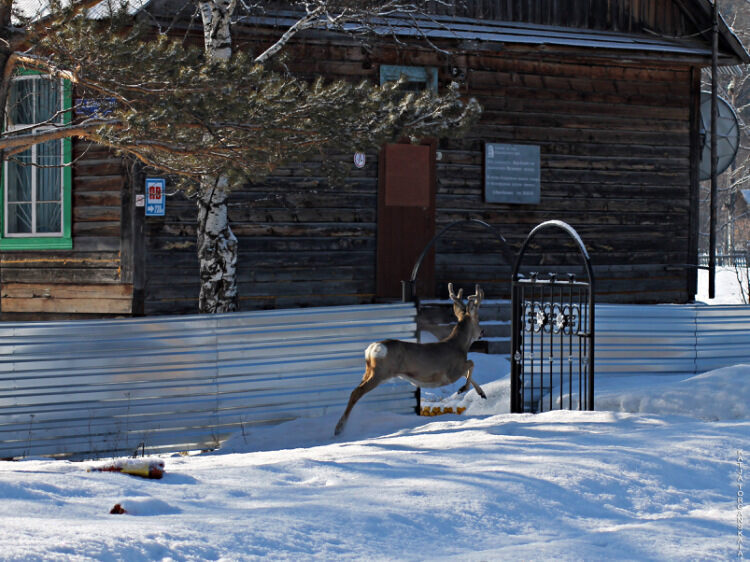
(725, 32)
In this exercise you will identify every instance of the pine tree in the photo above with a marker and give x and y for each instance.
(217, 118)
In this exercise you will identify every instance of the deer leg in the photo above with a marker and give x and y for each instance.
(471, 381)
(468, 369)
(369, 381)
(478, 389)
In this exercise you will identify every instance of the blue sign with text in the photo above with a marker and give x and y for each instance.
(155, 197)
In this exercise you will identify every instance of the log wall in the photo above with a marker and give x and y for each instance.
(662, 16)
(615, 144)
(88, 280)
(615, 164)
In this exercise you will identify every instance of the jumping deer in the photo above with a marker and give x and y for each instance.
(427, 365)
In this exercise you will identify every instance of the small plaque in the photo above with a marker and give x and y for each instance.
(155, 197)
(511, 173)
(95, 107)
(140, 200)
(360, 159)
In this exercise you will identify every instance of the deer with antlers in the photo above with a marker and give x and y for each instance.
(427, 365)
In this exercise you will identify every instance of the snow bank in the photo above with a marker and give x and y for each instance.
(560, 485)
(147, 506)
(731, 286)
(723, 394)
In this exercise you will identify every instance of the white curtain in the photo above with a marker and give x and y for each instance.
(19, 193)
(35, 101)
(48, 186)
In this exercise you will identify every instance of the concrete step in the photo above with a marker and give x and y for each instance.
(495, 329)
(492, 310)
(499, 346)
(437, 318)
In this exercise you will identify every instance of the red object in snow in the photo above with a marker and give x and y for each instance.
(145, 468)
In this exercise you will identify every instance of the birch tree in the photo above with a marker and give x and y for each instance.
(217, 244)
(216, 118)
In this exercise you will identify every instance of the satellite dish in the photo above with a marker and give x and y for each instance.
(727, 135)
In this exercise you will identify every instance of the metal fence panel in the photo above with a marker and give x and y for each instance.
(174, 383)
(670, 339)
(645, 339)
(723, 336)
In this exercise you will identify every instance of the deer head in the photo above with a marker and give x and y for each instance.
(467, 313)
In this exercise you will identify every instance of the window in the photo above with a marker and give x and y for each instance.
(36, 184)
(417, 78)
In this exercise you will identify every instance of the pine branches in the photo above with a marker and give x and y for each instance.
(177, 109)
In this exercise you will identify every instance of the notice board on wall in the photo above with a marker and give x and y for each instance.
(511, 173)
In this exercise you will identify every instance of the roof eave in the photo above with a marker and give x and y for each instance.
(726, 33)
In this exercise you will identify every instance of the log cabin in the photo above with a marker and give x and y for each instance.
(597, 101)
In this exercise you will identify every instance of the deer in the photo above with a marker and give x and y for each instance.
(425, 365)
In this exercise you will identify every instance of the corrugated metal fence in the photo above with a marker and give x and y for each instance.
(670, 339)
(92, 388)
(176, 383)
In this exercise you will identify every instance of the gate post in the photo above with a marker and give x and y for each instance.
(408, 291)
(516, 404)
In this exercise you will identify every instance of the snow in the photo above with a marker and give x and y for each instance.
(731, 286)
(651, 475)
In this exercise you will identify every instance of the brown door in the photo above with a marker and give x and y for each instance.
(406, 217)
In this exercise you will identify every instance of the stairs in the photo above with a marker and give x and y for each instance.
(436, 318)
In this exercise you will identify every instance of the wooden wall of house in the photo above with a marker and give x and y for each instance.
(300, 244)
(612, 15)
(615, 144)
(91, 280)
(615, 164)
(658, 16)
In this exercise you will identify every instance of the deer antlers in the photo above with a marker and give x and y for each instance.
(455, 298)
(476, 299)
(473, 301)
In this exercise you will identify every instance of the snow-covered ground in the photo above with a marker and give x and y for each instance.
(653, 474)
(731, 286)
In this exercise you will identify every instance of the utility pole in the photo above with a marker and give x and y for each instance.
(714, 153)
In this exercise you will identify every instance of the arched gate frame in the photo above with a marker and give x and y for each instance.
(552, 335)
(409, 288)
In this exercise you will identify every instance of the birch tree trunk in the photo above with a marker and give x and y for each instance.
(217, 245)
(217, 248)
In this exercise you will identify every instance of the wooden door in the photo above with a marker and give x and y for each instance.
(406, 217)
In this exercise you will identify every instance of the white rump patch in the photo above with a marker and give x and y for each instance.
(376, 351)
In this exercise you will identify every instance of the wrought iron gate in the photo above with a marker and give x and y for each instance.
(552, 335)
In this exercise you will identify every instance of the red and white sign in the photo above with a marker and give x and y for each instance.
(155, 197)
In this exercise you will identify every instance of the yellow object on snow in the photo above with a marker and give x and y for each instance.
(439, 411)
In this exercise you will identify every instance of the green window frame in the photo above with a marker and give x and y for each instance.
(421, 77)
(62, 239)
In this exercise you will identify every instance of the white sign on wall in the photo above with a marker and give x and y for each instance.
(155, 197)
(511, 173)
